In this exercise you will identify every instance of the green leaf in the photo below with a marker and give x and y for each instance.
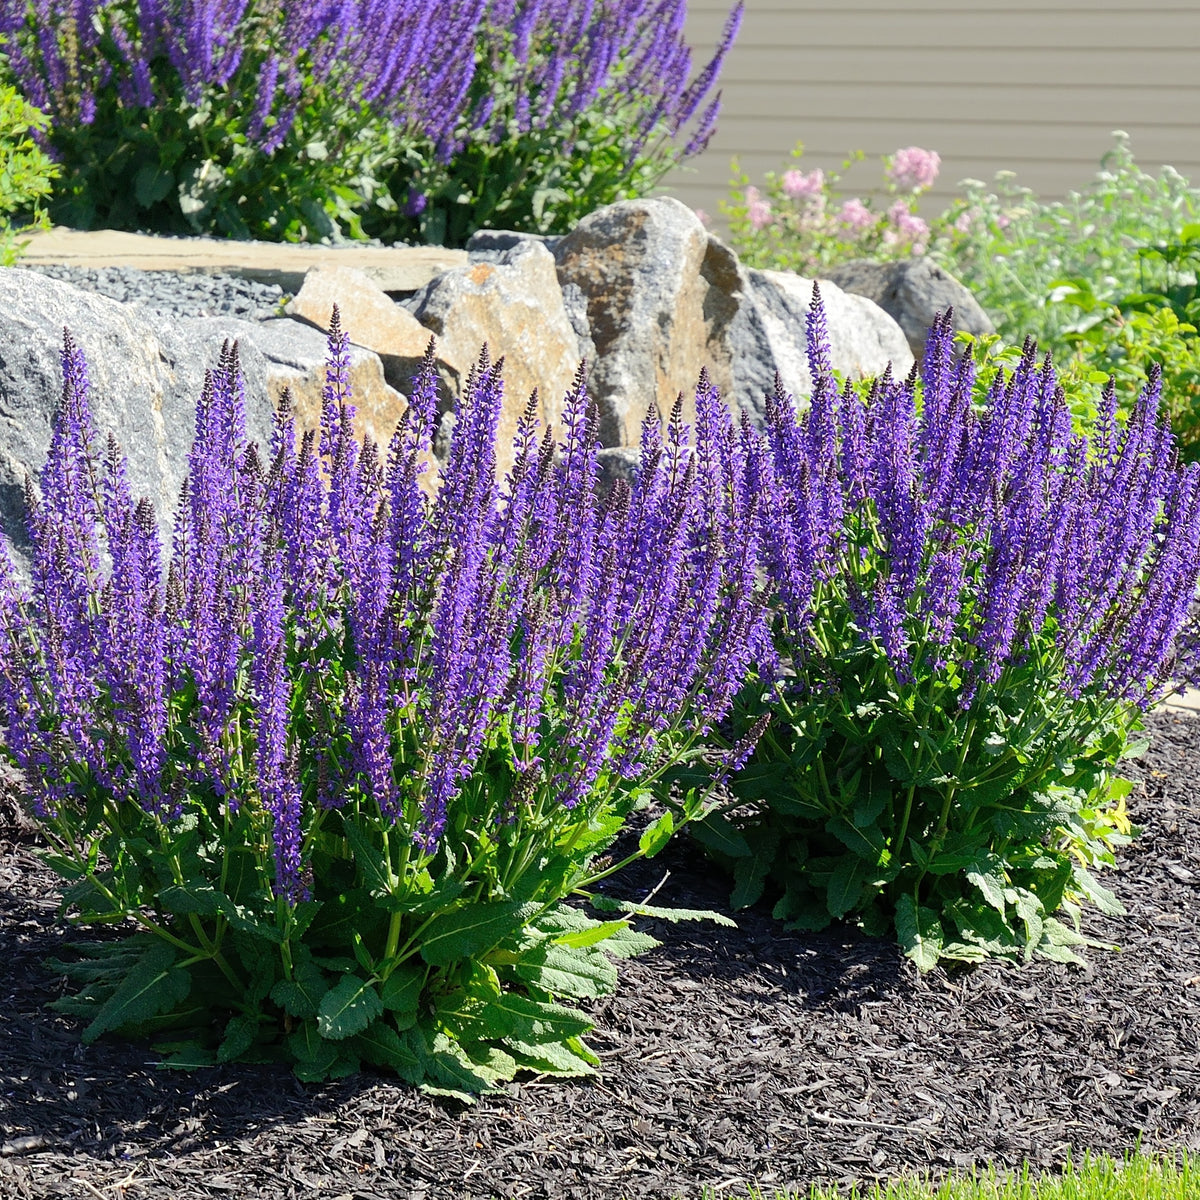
(185, 1056)
(867, 842)
(920, 933)
(301, 995)
(1104, 899)
(380, 1044)
(348, 1008)
(628, 943)
(550, 1058)
(192, 898)
(369, 858)
(846, 886)
(154, 985)
(608, 904)
(598, 932)
(716, 832)
(657, 835)
(561, 971)
(450, 1071)
(400, 994)
(151, 184)
(240, 1033)
(470, 931)
(986, 872)
(541, 1020)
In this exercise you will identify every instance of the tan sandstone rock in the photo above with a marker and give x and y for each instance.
(515, 306)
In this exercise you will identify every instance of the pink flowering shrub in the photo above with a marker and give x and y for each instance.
(797, 220)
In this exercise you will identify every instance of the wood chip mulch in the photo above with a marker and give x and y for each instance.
(730, 1058)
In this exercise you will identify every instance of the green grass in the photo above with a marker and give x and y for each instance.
(1137, 1177)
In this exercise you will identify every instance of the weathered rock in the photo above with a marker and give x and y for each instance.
(371, 319)
(665, 299)
(617, 462)
(145, 382)
(492, 244)
(515, 307)
(913, 291)
(637, 264)
(769, 334)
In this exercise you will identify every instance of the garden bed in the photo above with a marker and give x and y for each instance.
(729, 1057)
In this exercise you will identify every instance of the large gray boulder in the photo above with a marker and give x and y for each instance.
(664, 298)
(145, 380)
(913, 291)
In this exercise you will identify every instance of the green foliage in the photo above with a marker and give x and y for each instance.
(447, 970)
(800, 221)
(26, 173)
(541, 180)
(184, 168)
(964, 832)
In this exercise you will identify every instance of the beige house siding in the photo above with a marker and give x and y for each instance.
(1036, 88)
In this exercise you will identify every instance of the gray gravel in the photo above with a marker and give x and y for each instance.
(167, 294)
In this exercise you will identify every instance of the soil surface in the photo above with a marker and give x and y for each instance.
(730, 1058)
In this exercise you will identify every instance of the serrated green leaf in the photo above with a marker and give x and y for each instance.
(868, 842)
(657, 835)
(470, 931)
(608, 904)
(716, 832)
(561, 971)
(400, 993)
(307, 1044)
(536, 1021)
(449, 1071)
(986, 872)
(629, 943)
(850, 876)
(153, 986)
(1104, 899)
(598, 932)
(550, 1058)
(301, 995)
(185, 1056)
(348, 1008)
(920, 933)
(468, 1019)
(369, 859)
(193, 898)
(380, 1044)
(240, 1033)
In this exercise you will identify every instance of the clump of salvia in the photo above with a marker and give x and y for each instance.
(977, 596)
(343, 756)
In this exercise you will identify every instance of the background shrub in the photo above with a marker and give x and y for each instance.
(26, 174)
(425, 119)
(335, 773)
(974, 604)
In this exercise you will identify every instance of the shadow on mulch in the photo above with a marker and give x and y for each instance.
(730, 1057)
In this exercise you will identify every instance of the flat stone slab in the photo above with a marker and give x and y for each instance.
(391, 268)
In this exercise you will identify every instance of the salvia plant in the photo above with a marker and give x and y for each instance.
(573, 105)
(975, 602)
(407, 119)
(334, 768)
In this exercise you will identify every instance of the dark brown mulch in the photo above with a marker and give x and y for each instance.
(729, 1057)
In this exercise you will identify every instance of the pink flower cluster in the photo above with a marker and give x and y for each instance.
(913, 169)
(758, 210)
(855, 216)
(804, 185)
(906, 228)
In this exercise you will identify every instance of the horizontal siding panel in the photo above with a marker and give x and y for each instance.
(944, 104)
(958, 29)
(783, 64)
(825, 138)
